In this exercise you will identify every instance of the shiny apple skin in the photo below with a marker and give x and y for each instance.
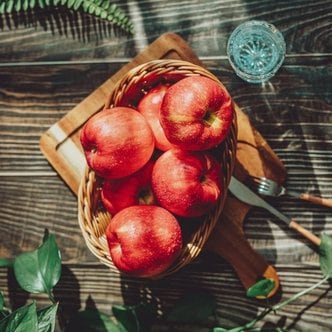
(135, 189)
(149, 107)
(196, 113)
(187, 183)
(144, 240)
(117, 142)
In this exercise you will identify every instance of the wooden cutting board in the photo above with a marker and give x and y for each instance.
(60, 144)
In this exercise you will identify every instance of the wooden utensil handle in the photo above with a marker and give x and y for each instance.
(316, 200)
(228, 241)
(306, 233)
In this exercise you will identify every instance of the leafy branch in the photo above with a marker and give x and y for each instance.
(200, 307)
(38, 271)
(251, 325)
(99, 8)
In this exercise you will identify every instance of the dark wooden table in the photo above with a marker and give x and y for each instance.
(51, 59)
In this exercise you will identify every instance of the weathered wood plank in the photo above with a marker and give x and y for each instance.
(27, 180)
(84, 285)
(70, 54)
(31, 204)
(36, 36)
(34, 98)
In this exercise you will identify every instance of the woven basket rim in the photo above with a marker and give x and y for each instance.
(93, 220)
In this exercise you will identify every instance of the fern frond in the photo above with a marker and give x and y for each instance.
(10, 6)
(99, 8)
(18, 6)
(110, 12)
(77, 4)
(25, 5)
(41, 3)
(2, 7)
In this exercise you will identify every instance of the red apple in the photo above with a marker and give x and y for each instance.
(187, 183)
(149, 107)
(117, 142)
(196, 113)
(135, 189)
(144, 240)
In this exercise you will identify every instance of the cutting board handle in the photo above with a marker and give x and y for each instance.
(228, 240)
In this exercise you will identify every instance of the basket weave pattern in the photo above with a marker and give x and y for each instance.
(93, 218)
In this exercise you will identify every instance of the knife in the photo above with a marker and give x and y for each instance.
(246, 195)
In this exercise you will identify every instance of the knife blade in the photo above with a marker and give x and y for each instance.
(246, 195)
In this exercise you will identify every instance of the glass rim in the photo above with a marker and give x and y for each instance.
(278, 38)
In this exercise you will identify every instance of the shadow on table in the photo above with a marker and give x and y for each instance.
(292, 112)
(290, 116)
(67, 293)
(17, 296)
(209, 275)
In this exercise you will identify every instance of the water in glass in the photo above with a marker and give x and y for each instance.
(256, 50)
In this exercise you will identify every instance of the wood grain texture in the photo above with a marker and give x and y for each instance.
(29, 182)
(78, 289)
(304, 23)
(293, 113)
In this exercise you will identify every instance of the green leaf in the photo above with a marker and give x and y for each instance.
(112, 8)
(86, 5)
(70, 3)
(21, 320)
(261, 288)
(2, 301)
(120, 16)
(46, 318)
(193, 308)
(41, 3)
(126, 316)
(6, 262)
(18, 5)
(3, 310)
(25, 5)
(103, 14)
(99, 8)
(77, 4)
(106, 4)
(2, 7)
(107, 11)
(32, 3)
(92, 8)
(92, 320)
(10, 5)
(98, 11)
(39, 271)
(325, 255)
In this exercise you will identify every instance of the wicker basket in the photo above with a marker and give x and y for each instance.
(93, 218)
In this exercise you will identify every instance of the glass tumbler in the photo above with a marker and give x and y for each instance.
(256, 50)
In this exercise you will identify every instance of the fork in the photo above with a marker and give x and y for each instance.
(268, 187)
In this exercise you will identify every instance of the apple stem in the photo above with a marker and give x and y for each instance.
(209, 118)
(203, 179)
(145, 197)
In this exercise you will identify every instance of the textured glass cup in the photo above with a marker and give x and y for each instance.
(256, 50)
